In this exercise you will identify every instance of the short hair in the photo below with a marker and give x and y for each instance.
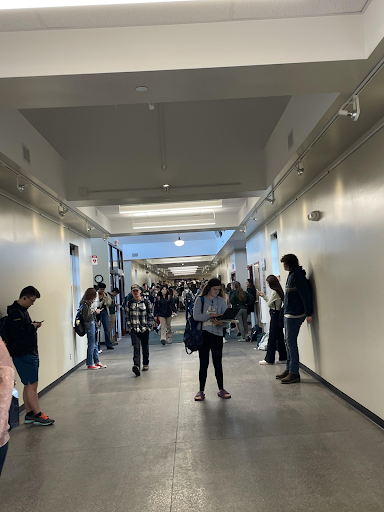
(117, 290)
(290, 260)
(102, 285)
(30, 291)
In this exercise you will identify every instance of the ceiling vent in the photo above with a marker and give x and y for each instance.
(290, 140)
(26, 154)
(135, 254)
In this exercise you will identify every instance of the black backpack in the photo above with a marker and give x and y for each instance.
(193, 338)
(79, 322)
(189, 297)
(3, 329)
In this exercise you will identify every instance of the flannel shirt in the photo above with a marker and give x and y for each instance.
(139, 316)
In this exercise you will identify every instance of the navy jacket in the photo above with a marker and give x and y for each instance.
(298, 295)
(22, 335)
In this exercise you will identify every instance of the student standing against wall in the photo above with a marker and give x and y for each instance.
(22, 345)
(105, 301)
(213, 306)
(88, 314)
(297, 308)
(112, 312)
(276, 334)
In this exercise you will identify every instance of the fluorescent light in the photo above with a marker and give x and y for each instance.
(177, 225)
(183, 206)
(181, 260)
(39, 4)
(171, 211)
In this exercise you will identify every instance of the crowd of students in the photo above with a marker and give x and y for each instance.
(209, 300)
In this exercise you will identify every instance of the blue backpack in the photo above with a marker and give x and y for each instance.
(79, 322)
(193, 338)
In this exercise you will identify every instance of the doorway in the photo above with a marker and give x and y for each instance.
(75, 292)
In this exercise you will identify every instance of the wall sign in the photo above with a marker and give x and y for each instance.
(263, 264)
(94, 259)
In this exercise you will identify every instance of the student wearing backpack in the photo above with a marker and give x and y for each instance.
(276, 334)
(187, 298)
(241, 299)
(139, 317)
(213, 306)
(297, 308)
(165, 309)
(88, 315)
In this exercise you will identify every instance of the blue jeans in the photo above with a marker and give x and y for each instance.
(188, 310)
(292, 328)
(92, 352)
(104, 318)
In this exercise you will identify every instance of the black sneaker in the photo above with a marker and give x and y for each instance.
(115, 343)
(163, 342)
(29, 418)
(110, 348)
(136, 370)
(239, 334)
(43, 420)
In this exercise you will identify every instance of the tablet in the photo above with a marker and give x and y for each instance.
(229, 314)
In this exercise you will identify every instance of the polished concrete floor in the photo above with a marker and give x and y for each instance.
(127, 444)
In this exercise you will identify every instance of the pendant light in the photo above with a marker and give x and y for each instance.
(179, 242)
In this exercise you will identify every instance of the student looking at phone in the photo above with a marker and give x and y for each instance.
(22, 346)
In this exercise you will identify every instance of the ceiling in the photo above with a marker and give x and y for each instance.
(172, 13)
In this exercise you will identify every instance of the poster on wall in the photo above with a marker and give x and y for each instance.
(94, 259)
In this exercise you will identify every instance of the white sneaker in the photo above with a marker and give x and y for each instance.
(100, 351)
(281, 362)
(264, 362)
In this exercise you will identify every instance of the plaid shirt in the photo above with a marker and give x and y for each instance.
(139, 316)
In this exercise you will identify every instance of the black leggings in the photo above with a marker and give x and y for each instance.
(215, 344)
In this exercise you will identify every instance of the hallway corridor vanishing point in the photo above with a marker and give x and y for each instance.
(127, 444)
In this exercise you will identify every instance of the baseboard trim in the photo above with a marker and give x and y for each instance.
(55, 383)
(356, 405)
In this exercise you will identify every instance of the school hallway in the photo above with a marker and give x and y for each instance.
(126, 443)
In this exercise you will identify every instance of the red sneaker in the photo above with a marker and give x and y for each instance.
(99, 365)
(93, 367)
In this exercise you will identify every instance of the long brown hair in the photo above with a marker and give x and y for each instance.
(274, 284)
(89, 296)
(211, 283)
(240, 293)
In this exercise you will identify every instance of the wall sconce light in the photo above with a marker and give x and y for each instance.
(243, 229)
(63, 210)
(314, 216)
(300, 168)
(105, 237)
(20, 186)
(354, 114)
(270, 198)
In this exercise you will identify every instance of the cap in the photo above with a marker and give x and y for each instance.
(135, 287)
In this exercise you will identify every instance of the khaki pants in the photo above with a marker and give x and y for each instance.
(166, 324)
(111, 324)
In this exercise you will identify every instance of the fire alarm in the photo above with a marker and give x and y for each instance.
(315, 216)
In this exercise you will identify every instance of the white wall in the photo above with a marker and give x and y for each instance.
(342, 254)
(35, 251)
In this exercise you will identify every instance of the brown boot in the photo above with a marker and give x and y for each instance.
(291, 378)
(282, 375)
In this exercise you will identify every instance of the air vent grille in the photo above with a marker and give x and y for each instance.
(135, 254)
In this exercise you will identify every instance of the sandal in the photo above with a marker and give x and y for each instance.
(223, 394)
(199, 397)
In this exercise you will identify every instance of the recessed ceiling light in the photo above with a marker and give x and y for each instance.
(33, 4)
(141, 88)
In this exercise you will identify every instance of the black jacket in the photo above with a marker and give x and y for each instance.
(22, 335)
(164, 307)
(298, 295)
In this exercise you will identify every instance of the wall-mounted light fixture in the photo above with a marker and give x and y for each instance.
(166, 187)
(314, 216)
(354, 114)
(105, 237)
(300, 168)
(63, 210)
(243, 228)
(270, 197)
(20, 186)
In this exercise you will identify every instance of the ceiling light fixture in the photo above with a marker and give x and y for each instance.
(179, 242)
(270, 198)
(166, 187)
(188, 206)
(141, 88)
(243, 229)
(300, 168)
(105, 237)
(177, 225)
(40, 4)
